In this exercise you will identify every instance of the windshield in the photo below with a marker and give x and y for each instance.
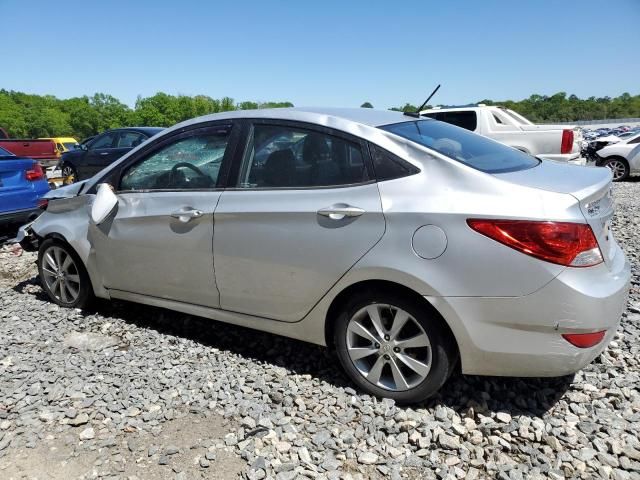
(5, 153)
(519, 118)
(70, 145)
(464, 146)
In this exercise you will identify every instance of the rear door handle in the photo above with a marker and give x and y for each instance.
(104, 153)
(186, 214)
(340, 211)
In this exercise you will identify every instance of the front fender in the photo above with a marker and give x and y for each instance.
(68, 219)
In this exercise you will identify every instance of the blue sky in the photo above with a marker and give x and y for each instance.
(326, 53)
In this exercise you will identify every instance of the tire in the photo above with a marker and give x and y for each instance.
(387, 357)
(63, 275)
(619, 168)
(69, 174)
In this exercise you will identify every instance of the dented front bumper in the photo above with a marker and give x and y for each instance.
(27, 239)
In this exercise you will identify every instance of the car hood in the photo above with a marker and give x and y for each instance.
(560, 177)
(67, 191)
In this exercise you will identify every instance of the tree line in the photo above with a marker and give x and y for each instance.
(560, 107)
(25, 115)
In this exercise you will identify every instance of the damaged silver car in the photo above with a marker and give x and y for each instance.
(407, 245)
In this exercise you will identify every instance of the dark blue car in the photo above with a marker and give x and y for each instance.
(22, 185)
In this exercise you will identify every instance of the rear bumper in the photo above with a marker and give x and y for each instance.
(521, 336)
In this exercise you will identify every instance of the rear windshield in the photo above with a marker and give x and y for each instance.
(465, 147)
(5, 153)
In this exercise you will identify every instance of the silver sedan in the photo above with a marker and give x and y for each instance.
(409, 246)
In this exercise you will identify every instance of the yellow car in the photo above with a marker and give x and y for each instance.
(63, 144)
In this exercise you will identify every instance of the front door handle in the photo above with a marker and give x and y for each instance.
(186, 214)
(340, 211)
(104, 153)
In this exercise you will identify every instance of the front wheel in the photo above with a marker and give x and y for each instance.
(63, 275)
(393, 347)
(69, 175)
(619, 168)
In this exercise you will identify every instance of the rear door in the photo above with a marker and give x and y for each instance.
(302, 208)
(160, 241)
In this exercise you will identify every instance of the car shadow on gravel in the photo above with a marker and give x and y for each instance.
(525, 396)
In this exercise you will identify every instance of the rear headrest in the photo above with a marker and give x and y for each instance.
(279, 169)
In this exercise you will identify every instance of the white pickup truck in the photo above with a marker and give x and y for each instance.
(554, 142)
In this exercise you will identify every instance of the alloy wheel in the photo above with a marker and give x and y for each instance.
(389, 347)
(68, 174)
(618, 168)
(61, 274)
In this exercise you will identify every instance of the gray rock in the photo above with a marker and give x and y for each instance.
(87, 434)
(81, 419)
(89, 341)
(367, 458)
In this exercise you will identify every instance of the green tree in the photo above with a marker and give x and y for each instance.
(406, 108)
(366, 105)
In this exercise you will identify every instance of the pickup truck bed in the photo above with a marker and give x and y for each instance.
(44, 151)
(554, 142)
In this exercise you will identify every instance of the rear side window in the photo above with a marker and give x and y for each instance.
(282, 156)
(130, 139)
(388, 166)
(635, 140)
(463, 146)
(464, 119)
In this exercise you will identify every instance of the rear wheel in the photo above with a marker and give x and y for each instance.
(63, 275)
(393, 347)
(619, 168)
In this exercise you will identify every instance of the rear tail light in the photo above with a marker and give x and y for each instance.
(563, 243)
(584, 340)
(35, 173)
(567, 141)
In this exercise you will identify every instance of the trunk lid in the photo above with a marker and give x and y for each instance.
(590, 186)
(16, 192)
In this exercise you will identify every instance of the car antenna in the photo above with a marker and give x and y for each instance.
(416, 114)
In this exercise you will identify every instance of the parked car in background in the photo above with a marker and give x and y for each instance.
(555, 142)
(102, 150)
(64, 144)
(85, 141)
(22, 185)
(623, 157)
(406, 244)
(44, 151)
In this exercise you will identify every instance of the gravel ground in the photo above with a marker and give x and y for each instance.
(128, 391)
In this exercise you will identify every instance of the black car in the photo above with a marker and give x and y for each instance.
(102, 150)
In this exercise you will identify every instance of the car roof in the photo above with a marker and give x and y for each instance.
(59, 139)
(316, 115)
(151, 131)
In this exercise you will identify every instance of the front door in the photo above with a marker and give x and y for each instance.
(160, 240)
(102, 152)
(304, 210)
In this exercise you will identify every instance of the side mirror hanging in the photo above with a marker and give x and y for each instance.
(103, 204)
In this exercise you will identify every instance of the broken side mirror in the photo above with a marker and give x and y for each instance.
(103, 204)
